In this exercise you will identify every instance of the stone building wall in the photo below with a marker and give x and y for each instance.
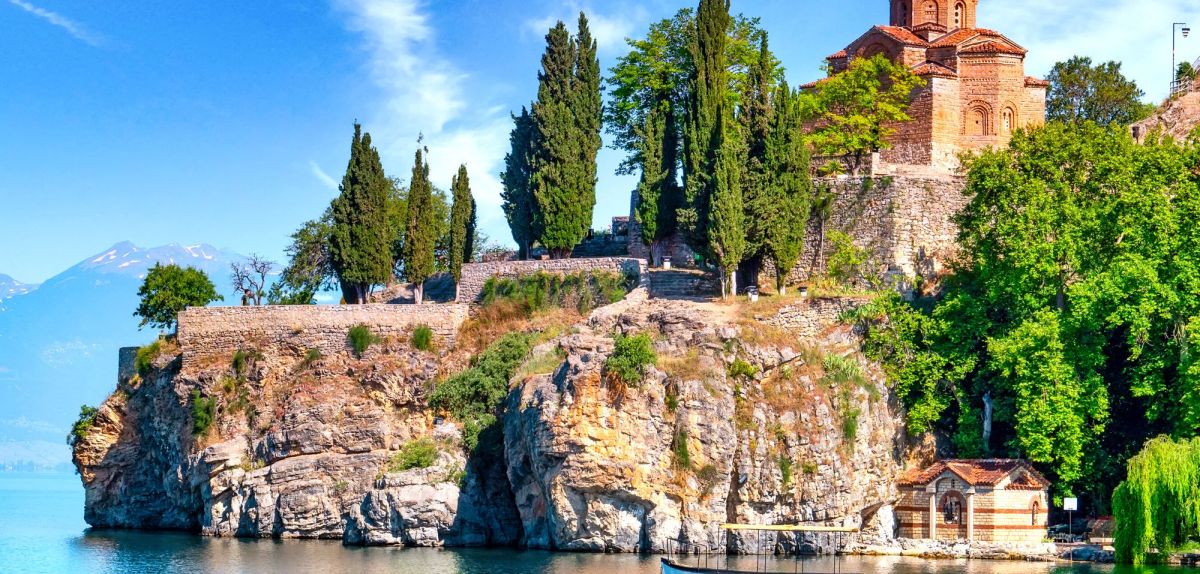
(812, 317)
(475, 275)
(211, 331)
(905, 223)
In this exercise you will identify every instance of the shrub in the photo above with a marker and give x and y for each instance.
(473, 396)
(419, 453)
(204, 409)
(580, 291)
(708, 475)
(310, 356)
(243, 359)
(681, 458)
(79, 431)
(847, 261)
(741, 369)
(627, 363)
(785, 469)
(422, 338)
(144, 361)
(361, 338)
(850, 424)
(809, 467)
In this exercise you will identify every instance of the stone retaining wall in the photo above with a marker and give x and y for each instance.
(814, 316)
(474, 275)
(208, 331)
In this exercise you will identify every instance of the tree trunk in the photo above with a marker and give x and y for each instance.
(418, 292)
(987, 421)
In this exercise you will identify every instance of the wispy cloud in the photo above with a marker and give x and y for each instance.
(1133, 32)
(610, 27)
(75, 29)
(421, 91)
(321, 176)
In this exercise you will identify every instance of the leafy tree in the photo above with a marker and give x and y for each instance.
(1155, 506)
(309, 270)
(786, 196)
(461, 224)
(360, 243)
(517, 196)
(856, 110)
(1080, 91)
(169, 289)
(422, 230)
(1185, 73)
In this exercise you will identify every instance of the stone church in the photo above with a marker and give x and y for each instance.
(976, 90)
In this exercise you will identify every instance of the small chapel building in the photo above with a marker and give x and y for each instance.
(976, 91)
(993, 500)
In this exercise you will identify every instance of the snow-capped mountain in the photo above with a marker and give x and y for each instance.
(10, 287)
(59, 341)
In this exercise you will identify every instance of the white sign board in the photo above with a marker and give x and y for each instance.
(1070, 504)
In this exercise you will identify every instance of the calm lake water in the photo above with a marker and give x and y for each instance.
(42, 530)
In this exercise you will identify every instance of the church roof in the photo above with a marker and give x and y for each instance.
(934, 69)
(979, 472)
(992, 47)
(962, 35)
(1032, 81)
(903, 35)
(837, 55)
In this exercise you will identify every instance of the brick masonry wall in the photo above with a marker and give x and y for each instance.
(209, 331)
(905, 223)
(474, 275)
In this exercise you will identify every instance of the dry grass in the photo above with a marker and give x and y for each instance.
(490, 322)
(686, 368)
(542, 364)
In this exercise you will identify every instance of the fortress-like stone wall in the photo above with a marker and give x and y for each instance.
(812, 317)
(474, 275)
(905, 223)
(208, 331)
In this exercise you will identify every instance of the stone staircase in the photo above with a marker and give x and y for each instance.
(682, 284)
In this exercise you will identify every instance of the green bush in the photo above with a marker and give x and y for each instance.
(785, 469)
(742, 369)
(79, 431)
(361, 338)
(144, 361)
(809, 467)
(473, 396)
(681, 457)
(708, 475)
(168, 290)
(311, 356)
(243, 359)
(629, 358)
(847, 262)
(419, 453)
(850, 424)
(580, 291)
(204, 409)
(422, 338)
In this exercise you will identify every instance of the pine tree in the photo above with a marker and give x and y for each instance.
(517, 195)
(708, 87)
(421, 233)
(788, 187)
(461, 225)
(360, 239)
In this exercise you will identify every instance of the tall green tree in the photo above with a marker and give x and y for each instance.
(308, 270)
(1080, 91)
(422, 230)
(708, 99)
(169, 289)
(727, 226)
(785, 202)
(462, 214)
(517, 195)
(361, 240)
(566, 119)
(755, 118)
(856, 110)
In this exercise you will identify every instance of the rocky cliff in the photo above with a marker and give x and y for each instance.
(739, 422)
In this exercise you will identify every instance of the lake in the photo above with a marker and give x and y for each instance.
(42, 530)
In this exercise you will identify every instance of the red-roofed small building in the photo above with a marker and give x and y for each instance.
(976, 91)
(992, 500)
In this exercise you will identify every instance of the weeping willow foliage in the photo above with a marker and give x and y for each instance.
(1158, 504)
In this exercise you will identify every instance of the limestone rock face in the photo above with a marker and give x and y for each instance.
(1176, 117)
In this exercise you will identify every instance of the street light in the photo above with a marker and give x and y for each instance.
(1174, 72)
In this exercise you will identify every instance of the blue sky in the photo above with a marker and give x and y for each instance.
(228, 122)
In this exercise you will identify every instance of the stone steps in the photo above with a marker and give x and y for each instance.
(682, 284)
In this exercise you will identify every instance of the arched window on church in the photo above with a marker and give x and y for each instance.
(977, 121)
(959, 11)
(1008, 120)
(931, 12)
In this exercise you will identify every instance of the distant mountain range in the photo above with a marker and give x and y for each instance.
(59, 341)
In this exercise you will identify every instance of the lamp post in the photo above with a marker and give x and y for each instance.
(1174, 72)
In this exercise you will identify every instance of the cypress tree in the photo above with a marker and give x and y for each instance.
(360, 238)
(755, 121)
(461, 224)
(788, 188)
(517, 195)
(727, 228)
(562, 208)
(658, 196)
(472, 230)
(589, 111)
(421, 233)
(708, 91)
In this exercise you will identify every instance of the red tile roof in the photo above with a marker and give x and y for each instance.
(837, 55)
(1032, 81)
(961, 35)
(902, 34)
(992, 48)
(934, 69)
(979, 472)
